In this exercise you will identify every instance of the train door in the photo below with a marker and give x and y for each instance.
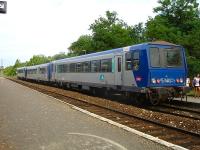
(118, 70)
(25, 73)
(50, 71)
(139, 63)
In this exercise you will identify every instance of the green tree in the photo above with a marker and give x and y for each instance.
(137, 33)
(61, 55)
(110, 32)
(159, 28)
(192, 41)
(11, 70)
(107, 33)
(193, 66)
(83, 45)
(38, 59)
(179, 13)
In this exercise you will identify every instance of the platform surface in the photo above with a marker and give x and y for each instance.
(190, 99)
(30, 120)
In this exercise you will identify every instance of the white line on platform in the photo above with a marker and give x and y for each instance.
(147, 136)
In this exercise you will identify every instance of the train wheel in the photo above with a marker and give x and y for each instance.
(140, 99)
(154, 99)
(106, 93)
(93, 91)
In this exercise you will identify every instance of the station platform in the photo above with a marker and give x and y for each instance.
(189, 99)
(30, 120)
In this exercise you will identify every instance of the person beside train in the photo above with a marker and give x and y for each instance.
(196, 83)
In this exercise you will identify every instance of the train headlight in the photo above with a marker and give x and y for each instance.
(158, 81)
(181, 80)
(153, 81)
(177, 80)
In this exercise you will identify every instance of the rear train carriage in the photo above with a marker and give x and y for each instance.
(21, 73)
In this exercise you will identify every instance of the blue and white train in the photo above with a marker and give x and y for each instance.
(155, 71)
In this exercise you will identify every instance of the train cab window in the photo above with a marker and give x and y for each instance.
(119, 64)
(155, 57)
(136, 60)
(86, 66)
(95, 66)
(106, 65)
(172, 57)
(128, 61)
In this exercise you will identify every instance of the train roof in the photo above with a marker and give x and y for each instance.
(40, 65)
(21, 68)
(117, 50)
(106, 52)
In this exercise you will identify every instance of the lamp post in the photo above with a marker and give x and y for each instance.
(84, 51)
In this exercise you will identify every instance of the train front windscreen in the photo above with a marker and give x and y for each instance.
(166, 57)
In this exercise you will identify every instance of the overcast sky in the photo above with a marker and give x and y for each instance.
(33, 27)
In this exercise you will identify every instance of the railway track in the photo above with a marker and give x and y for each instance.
(188, 108)
(131, 116)
(177, 110)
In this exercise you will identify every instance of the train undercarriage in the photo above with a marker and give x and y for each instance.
(159, 95)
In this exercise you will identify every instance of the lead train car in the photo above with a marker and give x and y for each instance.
(153, 70)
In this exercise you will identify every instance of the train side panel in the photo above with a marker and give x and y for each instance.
(21, 73)
(95, 79)
(43, 72)
(32, 73)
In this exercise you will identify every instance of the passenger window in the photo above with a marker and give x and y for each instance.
(42, 70)
(72, 67)
(86, 66)
(95, 66)
(20, 71)
(136, 60)
(59, 68)
(119, 64)
(32, 71)
(78, 67)
(128, 61)
(106, 65)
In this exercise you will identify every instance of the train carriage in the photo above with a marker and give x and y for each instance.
(21, 73)
(38, 73)
(43, 72)
(32, 73)
(92, 70)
